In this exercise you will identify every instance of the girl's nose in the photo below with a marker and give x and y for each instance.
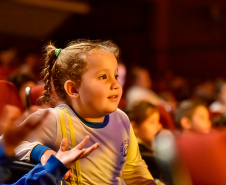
(115, 84)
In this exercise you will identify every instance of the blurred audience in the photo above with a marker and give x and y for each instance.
(219, 105)
(21, 81)
(31, 64)
(204, 92)
(140, 89)
(8, 62)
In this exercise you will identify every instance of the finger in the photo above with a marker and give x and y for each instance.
(63, 145)
(67, 175)
(71, 174)
(90, 150)
(83, 143)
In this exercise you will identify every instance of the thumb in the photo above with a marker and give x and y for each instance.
(63, 145)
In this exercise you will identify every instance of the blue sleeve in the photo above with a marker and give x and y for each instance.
(3, 156)
(49, 174)
(5, 161)
(37, 152)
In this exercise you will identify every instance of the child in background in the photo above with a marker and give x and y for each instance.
(144, 118)
(84, 76)
(192, 116)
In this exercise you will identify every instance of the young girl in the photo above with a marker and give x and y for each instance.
(84, 77)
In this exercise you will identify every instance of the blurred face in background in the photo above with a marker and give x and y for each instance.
(147, 130)
(143, 79)
(200, 120)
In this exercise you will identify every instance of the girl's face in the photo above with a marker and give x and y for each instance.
(149, 128)
(200, 120)
(100, 91)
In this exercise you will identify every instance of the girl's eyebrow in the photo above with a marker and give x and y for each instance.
(101, 71)
(104, 70)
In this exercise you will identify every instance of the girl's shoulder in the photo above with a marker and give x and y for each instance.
(119, 115)
(119, 112)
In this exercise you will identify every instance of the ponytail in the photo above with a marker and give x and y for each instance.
(50, 58)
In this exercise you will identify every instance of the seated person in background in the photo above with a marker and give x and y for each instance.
(21, 81)
(219, 106)
(192, 116)
(141, 89)
(144, 118)
(53, 171)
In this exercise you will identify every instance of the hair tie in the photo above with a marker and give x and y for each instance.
(57, 51)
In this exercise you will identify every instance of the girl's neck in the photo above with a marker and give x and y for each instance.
(94, 120)
(87, 117)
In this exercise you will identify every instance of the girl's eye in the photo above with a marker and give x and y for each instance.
(103, 77)
(116, 77)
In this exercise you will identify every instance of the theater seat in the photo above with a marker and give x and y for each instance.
(204, 157)
(165, 118)
(9, 95)
(33, 94)
(17, 169)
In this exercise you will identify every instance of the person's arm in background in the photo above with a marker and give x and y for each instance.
(135, 170)
(45, 134)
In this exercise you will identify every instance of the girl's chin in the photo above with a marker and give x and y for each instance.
(111, 110)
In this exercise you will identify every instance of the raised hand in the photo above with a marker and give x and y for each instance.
(78, 152)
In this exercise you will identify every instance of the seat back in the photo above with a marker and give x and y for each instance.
(33, 94)
(17, 169)
(9, 95)
(204, 157)
(165, 118)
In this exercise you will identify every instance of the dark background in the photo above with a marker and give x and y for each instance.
(186, 37)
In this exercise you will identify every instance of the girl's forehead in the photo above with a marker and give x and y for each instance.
(98, 52)
(98, 57)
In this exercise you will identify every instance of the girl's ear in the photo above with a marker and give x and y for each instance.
(185, 123)
(70, 88)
